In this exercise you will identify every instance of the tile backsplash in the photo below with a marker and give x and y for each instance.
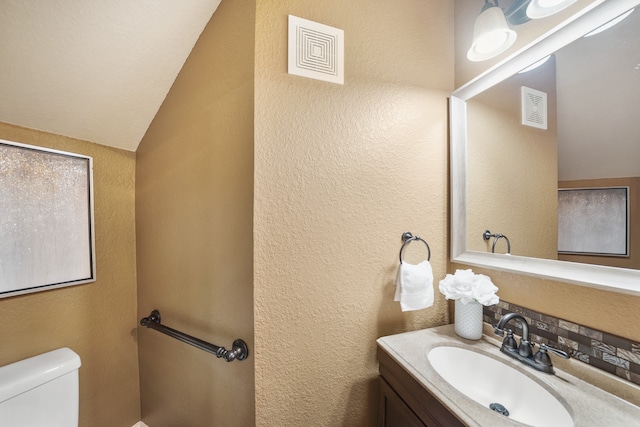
(611, 353)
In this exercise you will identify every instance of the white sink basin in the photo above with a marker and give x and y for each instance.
(488, 381)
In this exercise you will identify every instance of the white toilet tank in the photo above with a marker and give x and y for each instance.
(41, 391)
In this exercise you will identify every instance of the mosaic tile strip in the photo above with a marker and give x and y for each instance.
(611, 353)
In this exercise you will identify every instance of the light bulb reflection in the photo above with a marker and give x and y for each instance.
(535, 65)
(610, 24)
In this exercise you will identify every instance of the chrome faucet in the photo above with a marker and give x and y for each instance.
(524, 352)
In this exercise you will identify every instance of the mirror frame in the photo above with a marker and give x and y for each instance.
(601, 277)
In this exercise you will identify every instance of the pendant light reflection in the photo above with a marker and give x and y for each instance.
(538, 9)
(491, 34)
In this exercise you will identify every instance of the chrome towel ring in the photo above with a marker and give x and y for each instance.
(408, 237)
(497, 236)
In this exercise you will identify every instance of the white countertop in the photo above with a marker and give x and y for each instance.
(590, 406)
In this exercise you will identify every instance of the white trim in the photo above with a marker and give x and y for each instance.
(140, 424)
(607, 278)
(458, 111)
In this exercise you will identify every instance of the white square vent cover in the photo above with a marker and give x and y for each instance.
(534, 108)
(316, 51)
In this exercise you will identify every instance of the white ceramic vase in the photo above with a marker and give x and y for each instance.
(468, 320)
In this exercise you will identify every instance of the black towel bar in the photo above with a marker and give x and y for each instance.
(239, 350)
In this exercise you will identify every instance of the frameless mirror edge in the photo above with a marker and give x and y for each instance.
(600, 277)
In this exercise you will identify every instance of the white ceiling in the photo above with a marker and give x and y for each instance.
(95, 70)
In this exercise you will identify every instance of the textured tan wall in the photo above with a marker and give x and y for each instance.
(607, 311)
(341, 171)
(513, 169)
(194, 192)
(96, 320)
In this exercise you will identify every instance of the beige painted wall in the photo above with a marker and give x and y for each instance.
(512, 171)
(341, 171)
(96, 320)
(194, 195)
(611, 312)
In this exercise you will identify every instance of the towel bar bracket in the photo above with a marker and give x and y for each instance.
(239, 349)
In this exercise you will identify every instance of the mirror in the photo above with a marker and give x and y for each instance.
(586, 145)
(505, 176)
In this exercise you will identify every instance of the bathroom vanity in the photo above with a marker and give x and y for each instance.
(405, 402)
(412, 393)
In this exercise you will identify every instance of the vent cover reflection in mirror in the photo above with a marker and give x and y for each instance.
(534, 108)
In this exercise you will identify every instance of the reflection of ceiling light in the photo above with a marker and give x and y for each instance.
(535, 65)
(517, 13)
(542, 8)
(491, 34)
(610, 24)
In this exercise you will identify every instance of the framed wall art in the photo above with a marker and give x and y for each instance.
(46, 219)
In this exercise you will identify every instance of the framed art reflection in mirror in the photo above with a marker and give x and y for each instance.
(593, 221)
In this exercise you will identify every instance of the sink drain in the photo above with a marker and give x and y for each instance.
(499, 409)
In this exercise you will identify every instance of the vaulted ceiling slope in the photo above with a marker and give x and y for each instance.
(96, 70)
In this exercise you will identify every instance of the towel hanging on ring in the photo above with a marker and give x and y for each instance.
(414, 282)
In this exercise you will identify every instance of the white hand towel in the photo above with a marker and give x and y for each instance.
(414, 286)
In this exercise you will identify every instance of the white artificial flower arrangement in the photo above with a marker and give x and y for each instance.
(467, 287)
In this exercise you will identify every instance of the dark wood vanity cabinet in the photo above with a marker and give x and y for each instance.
(405, 403)
(393, 412)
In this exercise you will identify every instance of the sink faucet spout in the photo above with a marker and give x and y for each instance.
(525, 348)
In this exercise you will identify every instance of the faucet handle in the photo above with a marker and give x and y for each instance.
(509, 341)
(555, 351)
(542, 357)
